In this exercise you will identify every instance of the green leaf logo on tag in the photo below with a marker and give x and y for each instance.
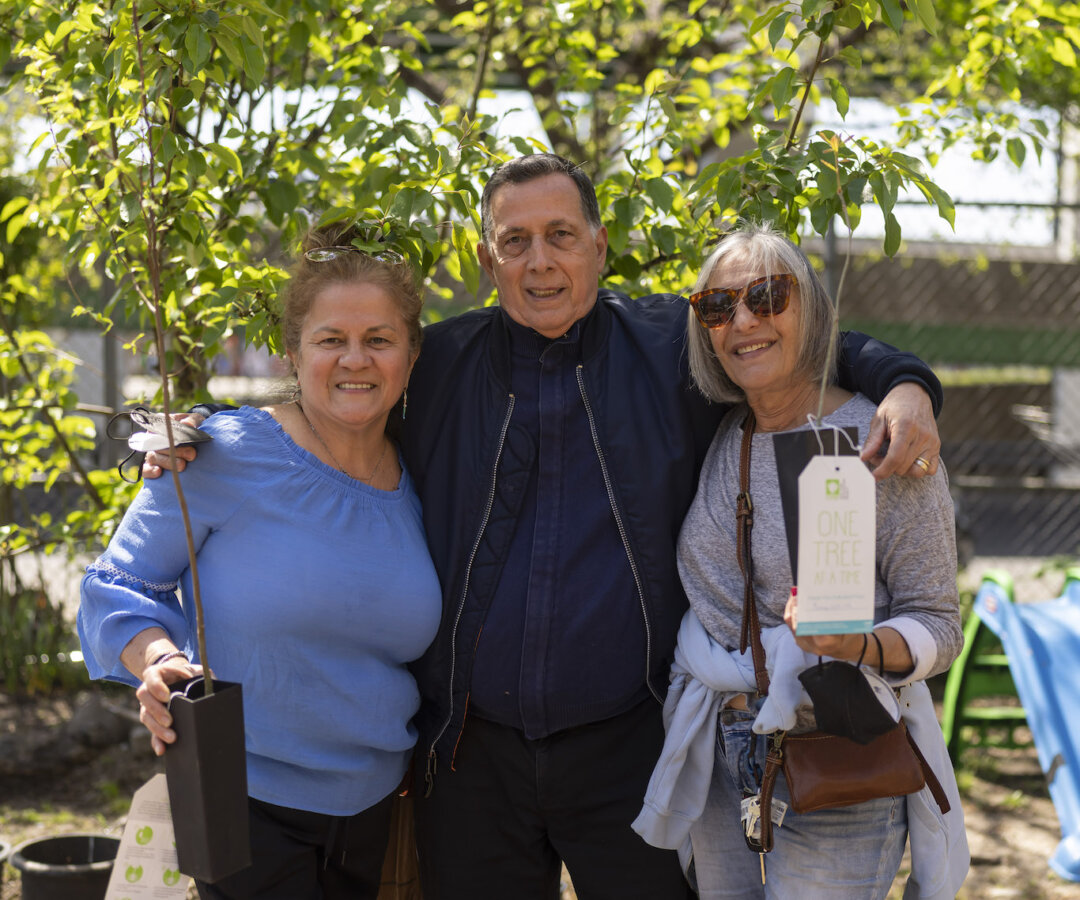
(133, 873)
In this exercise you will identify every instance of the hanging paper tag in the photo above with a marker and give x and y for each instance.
(145, 864)
(837, 528)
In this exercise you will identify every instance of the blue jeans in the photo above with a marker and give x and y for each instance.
(851, 853)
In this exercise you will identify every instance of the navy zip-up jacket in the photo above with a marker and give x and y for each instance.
(650, 431)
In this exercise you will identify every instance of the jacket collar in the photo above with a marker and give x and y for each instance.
(593, 331)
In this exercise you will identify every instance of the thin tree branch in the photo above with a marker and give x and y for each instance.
(61, 438)
(153, 262)
(793, 134)
(425, 86)
(481, 66)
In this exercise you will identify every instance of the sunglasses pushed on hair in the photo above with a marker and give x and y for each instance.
(763, 297)
(326, 254)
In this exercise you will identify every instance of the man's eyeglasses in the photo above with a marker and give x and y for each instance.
(326, 254)
(766, 296)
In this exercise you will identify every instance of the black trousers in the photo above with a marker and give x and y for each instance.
(299, 855)
(497, 826)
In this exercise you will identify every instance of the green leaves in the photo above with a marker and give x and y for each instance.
(14, 217)
(892, 13)
(198, 45)
(468, 267)
(839, 95)
(1063, 51)
(924, 9)
(184, 153)
(661, 193)
(228, 158)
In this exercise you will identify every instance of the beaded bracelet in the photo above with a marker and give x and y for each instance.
(171, 655)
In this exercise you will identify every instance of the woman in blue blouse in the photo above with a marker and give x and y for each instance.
(316, 583)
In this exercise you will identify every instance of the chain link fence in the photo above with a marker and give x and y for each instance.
(1004, 335)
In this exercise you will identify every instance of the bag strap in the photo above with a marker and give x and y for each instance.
(936, 790)
(774, 760)
(744, 523)
(751, 629)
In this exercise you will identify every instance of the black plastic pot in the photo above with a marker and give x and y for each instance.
(66, 866)
(206, 770)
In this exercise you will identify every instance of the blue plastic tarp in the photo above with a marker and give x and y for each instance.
(1042, 642)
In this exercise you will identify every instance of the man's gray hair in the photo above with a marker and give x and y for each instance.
(765, 251)
(528, 168)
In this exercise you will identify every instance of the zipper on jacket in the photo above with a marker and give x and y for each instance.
(622, 533)
(429, 776)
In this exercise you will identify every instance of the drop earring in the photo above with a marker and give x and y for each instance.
(404, 404)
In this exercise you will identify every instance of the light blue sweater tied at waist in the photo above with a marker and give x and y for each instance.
(705, 675)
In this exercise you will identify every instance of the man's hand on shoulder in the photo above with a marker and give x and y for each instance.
(905, 423)
(157, 461)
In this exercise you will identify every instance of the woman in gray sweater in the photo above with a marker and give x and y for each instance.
(760, 332)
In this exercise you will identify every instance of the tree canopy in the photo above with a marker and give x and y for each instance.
(182, 148)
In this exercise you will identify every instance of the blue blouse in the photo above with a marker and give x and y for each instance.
(317, 590)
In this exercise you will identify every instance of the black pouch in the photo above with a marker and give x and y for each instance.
(844, 702)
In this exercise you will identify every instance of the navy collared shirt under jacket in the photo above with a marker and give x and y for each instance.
(564, 638)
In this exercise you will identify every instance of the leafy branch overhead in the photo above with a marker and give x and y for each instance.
(175, 152)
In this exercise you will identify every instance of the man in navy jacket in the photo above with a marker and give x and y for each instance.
(555, 442)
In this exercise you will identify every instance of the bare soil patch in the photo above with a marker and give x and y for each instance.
(72, 764)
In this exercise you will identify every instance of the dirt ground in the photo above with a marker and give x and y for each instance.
(71, 765)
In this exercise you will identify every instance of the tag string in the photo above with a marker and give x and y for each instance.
(817, 428)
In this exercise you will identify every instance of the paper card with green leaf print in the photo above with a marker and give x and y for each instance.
(145, 866)
(837, 531)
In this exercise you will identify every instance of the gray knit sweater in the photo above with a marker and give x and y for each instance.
(915, 587)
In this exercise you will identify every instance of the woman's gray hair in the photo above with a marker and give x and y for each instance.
(766, 251)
